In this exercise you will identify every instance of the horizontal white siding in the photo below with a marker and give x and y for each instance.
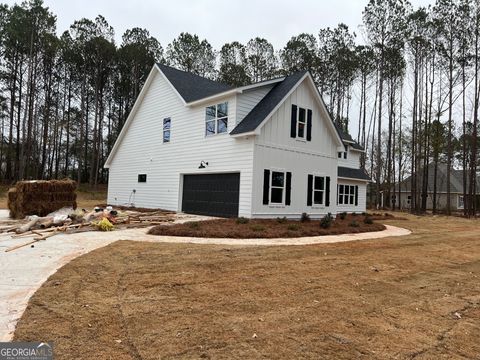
(352, 160)
(362, 196)
(247, 100)
(143, 152)
(300, 165)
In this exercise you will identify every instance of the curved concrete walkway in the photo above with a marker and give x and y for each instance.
(24, 270)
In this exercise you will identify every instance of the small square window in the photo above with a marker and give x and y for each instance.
(142, 178)
(216, 119)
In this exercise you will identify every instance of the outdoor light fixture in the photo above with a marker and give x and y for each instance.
(203, 164)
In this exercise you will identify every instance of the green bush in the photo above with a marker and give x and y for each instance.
(354, 224)
(193, 225)
(243, 220)
(293, 227)
(354, 214)
(326, 221)
(343, 215)
(368, 220)
(282, 220)
(257, 227)
(305, 217)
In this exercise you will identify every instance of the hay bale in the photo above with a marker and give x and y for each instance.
(41, 197)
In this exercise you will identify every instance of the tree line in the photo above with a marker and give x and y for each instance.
(409, 82)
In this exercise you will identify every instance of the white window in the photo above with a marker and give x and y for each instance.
(318, 189)
(216, 119)
(460, 202)
(277, 187)
(301, 123)
(346, 195)
(167, 123)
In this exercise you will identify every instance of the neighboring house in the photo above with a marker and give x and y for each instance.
(264, 150)
(457, 201)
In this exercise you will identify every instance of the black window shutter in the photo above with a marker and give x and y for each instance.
(309, 125)
(356, 195)
(293, 128)
(309, 190)
(327, 186)
(288, 188)
(266, 186)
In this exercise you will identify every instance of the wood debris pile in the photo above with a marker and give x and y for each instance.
(70, 221)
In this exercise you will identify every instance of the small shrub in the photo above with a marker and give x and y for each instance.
(193, 225)
(364, 213)
(368, 220)
(354, 214)
(343, 215)
(326, 221)
(282, 220)
(293, 227)
(305, 217)
(257, 227)
(243, 220)
(354, 224)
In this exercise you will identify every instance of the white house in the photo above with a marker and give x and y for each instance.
(264, 150)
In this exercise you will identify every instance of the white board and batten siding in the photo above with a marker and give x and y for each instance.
(142, 151)
(275, 149)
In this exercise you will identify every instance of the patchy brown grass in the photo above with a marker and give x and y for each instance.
(268, 228)
(413, 297)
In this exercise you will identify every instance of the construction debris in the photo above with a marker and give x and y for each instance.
(68, 220)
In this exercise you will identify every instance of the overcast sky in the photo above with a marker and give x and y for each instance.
(219, 21)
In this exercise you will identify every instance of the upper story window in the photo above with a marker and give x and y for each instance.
(216, 119)
(167, 123)
(301, 123)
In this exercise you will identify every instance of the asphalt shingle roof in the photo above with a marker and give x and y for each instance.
(456, 180)
(267, 104)
(350, 173)
(192, 87)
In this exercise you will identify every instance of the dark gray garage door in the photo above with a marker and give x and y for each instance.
(212, 194)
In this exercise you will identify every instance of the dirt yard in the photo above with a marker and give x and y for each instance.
(242, 228)
(414, 297)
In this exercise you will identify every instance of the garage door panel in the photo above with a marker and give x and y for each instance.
(211, 194)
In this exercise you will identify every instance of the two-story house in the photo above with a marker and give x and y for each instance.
(264, 150)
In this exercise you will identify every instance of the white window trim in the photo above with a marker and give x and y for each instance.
(215, 120)
(169, 129)
(458, 202)
(351, 196)
(274, 204)
(322, 205)
(304, 122)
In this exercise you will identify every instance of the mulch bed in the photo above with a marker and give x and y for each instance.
(268, 228)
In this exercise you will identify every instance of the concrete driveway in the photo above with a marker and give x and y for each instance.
(24, 270)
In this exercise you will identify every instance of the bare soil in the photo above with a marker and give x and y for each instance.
(413, 297)
(274, 228)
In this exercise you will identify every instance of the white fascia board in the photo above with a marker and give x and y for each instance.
(353, 179)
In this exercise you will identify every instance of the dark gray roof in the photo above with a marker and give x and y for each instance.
(347, 139)
(192, 87)
(350, 173)
(456, 180)
(267, 104)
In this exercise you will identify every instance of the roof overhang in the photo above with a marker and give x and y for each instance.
(354, 179)
(231, 92)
